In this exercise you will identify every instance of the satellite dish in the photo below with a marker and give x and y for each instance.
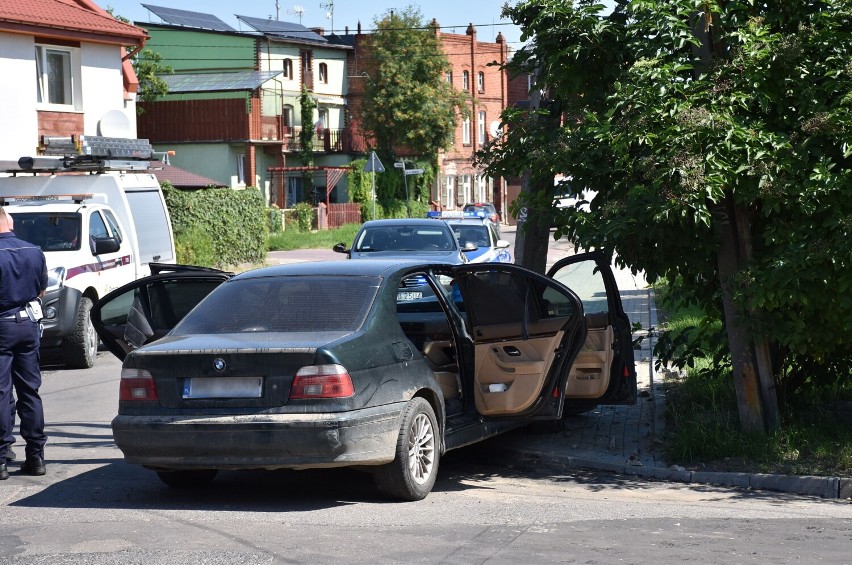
(494, 129)
(115, 124)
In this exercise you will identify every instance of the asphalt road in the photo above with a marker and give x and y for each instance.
(91, 507)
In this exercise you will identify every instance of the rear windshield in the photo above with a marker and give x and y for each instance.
(283, 304)
(405, 238)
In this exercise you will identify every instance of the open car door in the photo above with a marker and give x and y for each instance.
(147, 309)
(526, 331)
(604, 371)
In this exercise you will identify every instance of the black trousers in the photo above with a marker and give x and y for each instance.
(19, 367)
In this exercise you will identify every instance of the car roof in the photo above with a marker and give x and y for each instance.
(400, 222)
(373, 267)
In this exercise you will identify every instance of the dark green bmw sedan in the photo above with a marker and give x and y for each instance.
(384, 365)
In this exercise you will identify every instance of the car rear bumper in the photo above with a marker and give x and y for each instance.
(260, 441)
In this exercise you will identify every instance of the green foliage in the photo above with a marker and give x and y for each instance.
(359, 182)
(307, 105)
(702, 415)
(149, 67)
(231, 223)
(304, 215)
(394, 208)
(408, 101)
(275, 217)
(194, 247)
(321, 239)
(665, 128)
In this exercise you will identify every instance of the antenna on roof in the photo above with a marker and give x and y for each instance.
(330, 14)
(277, 8)
(298, 11)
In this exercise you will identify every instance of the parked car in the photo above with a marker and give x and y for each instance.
(331, 364)
(489, 209)
(476, 229)
(404, 239)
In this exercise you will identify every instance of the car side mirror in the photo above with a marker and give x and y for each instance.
(340, 248)
(106, 245)
(470, 246)
(502, 244)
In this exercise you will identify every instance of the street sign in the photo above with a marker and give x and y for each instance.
(413, 172)
(374, 165)
(399, 165)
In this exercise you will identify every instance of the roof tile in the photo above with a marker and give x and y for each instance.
(65, 15)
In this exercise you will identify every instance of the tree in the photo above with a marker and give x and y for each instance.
(148, 66)
(716, 136)
(307, 105)
(408, 101)
(149, 69)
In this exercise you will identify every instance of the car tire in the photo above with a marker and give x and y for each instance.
(80, 348)
(188, 478)
(412, 473)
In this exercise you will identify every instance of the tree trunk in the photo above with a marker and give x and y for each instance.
(746, 381)
(533, 233)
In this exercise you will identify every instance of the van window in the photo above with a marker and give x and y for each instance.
(152, 225)
(113, 225)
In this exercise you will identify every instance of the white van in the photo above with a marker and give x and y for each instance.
(99, 230)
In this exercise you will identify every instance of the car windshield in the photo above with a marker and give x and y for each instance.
(50, 231)
(405, 238)
(283, 304)
(476, 234)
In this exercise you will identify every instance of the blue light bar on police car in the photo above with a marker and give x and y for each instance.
(457, 215)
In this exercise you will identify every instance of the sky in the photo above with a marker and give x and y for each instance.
(452, 15)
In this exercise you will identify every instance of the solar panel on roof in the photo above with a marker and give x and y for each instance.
(282, 29)
(189, 19)
(218, 82)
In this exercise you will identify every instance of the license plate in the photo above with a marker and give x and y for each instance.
(223, 387)
(403, 296)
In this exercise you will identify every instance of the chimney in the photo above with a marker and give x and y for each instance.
(318, 30)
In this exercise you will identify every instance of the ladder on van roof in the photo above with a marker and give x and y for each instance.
(87, 153)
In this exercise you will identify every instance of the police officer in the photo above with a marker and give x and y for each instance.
(23, 279)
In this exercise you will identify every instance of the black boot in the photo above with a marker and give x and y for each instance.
(4, 473)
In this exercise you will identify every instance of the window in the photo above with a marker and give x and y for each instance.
(480, 81)
(480, 127)
(54, 76)
(450, 77)
(323, 73)
(152, 225)
(464, 189)
(241, 168)
(288, 68)
(287, 116)
(466, 131)
(448, 199)
(465, 80)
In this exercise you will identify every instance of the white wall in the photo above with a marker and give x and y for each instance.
(103, 88)
(17, 97)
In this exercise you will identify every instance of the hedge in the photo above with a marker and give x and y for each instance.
(218, 227)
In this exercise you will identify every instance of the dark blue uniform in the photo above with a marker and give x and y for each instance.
(23, 277)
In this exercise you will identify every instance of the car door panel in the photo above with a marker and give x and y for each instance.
(523, 327)
(604, 369)
(510, 375)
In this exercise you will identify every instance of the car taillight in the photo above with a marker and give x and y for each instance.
(322, 381)
(137, 384)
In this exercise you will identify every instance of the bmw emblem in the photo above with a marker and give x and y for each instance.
(219, 364)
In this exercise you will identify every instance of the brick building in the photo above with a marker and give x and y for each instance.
(459, 181)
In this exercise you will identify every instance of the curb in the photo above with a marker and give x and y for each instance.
(823, 487)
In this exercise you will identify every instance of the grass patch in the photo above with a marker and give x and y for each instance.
(321, 239)
(703, 430)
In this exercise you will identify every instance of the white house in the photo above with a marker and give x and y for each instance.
(65, 71)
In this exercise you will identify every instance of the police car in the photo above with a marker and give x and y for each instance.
(475, 227)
